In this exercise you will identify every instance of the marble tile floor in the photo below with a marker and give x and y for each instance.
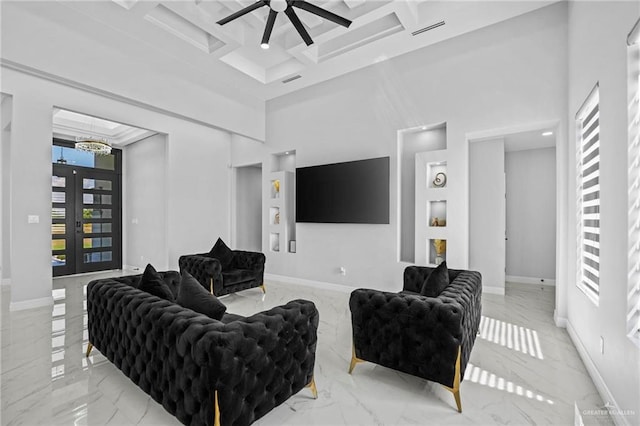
(523, 370)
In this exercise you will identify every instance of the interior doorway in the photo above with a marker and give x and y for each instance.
(530, 169)
(86, 218)
(86, 193)
(248, 207)
(512, 207)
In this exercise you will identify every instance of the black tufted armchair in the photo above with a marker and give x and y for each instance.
(245, 271)
(203, 371)
(428, 337)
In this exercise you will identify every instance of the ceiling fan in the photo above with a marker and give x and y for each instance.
(287, 6)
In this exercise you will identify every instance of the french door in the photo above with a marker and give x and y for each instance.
(86, 220)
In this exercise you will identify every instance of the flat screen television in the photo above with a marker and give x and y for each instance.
(351, 192)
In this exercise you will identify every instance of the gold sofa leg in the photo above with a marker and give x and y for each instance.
(89, 347)
(264, 289)
(312, 386)
(456, 382)
(216, 410)
(354, 359)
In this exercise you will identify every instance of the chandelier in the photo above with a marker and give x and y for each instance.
(94, 144)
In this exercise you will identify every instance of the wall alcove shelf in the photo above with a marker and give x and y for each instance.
(431, 207)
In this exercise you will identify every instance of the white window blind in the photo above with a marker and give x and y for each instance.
(633, 312)
(588, 171)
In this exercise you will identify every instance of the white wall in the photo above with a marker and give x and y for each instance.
(504, 75)
(144, 203)
(248, 217)
(487, 213)
(196, 172)
(198, 188)
(531, 213)
(598, 53)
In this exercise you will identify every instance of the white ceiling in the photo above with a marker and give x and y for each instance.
(186, 31)
(69, 125)
(534, 139)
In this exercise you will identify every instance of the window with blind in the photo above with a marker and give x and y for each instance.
(633, 312)
(588, 191)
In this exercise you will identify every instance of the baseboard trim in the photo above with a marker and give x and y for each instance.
(493, 290)
(310, 283)
(530, 280)
(31, 304)
(560, 322)
(610, 403)
(132, 268)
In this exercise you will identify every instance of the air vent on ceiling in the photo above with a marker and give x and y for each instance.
(425, 29)
(290, 79)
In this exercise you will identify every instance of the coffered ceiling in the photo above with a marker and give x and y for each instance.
(69, 125)
(186, 33)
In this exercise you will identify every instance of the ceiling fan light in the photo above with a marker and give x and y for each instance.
(278, 5)
(265, 46)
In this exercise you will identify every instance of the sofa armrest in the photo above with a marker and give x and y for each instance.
(466, 290)
(248, 260)
(261, 360)
(416, 334)
(204, 269)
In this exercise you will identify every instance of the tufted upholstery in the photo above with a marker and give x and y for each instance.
(180, 357)
(245, 271)
(416, 334)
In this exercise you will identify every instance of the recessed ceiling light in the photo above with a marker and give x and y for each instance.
(286, 153)
(547, 134)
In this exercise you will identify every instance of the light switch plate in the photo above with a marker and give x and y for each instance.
(33, 218)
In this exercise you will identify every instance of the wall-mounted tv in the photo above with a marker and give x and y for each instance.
(351, 192)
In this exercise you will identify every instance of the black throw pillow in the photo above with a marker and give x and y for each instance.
(437, 281)
(223, 253)
(195, 297)
(152, 283)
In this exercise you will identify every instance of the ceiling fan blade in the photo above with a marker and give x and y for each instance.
(298, 25)
(323, 13)
(269, 27)
(242, 12)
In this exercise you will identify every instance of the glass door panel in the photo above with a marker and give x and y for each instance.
(99, 246)
(85, 220)
(62, 221)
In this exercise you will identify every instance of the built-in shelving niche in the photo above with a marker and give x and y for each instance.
(274, 215)
(437, 213)
(274, 242)
(281, 208)
(437, 249)
(422, 155)
(437, 174)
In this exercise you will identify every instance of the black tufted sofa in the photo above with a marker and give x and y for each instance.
(203, 371)
(245, 271)
(428, 337)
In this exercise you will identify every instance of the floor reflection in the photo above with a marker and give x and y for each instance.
(516, 375)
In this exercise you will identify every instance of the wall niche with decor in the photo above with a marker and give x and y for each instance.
(431, 195)
(281, 203)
